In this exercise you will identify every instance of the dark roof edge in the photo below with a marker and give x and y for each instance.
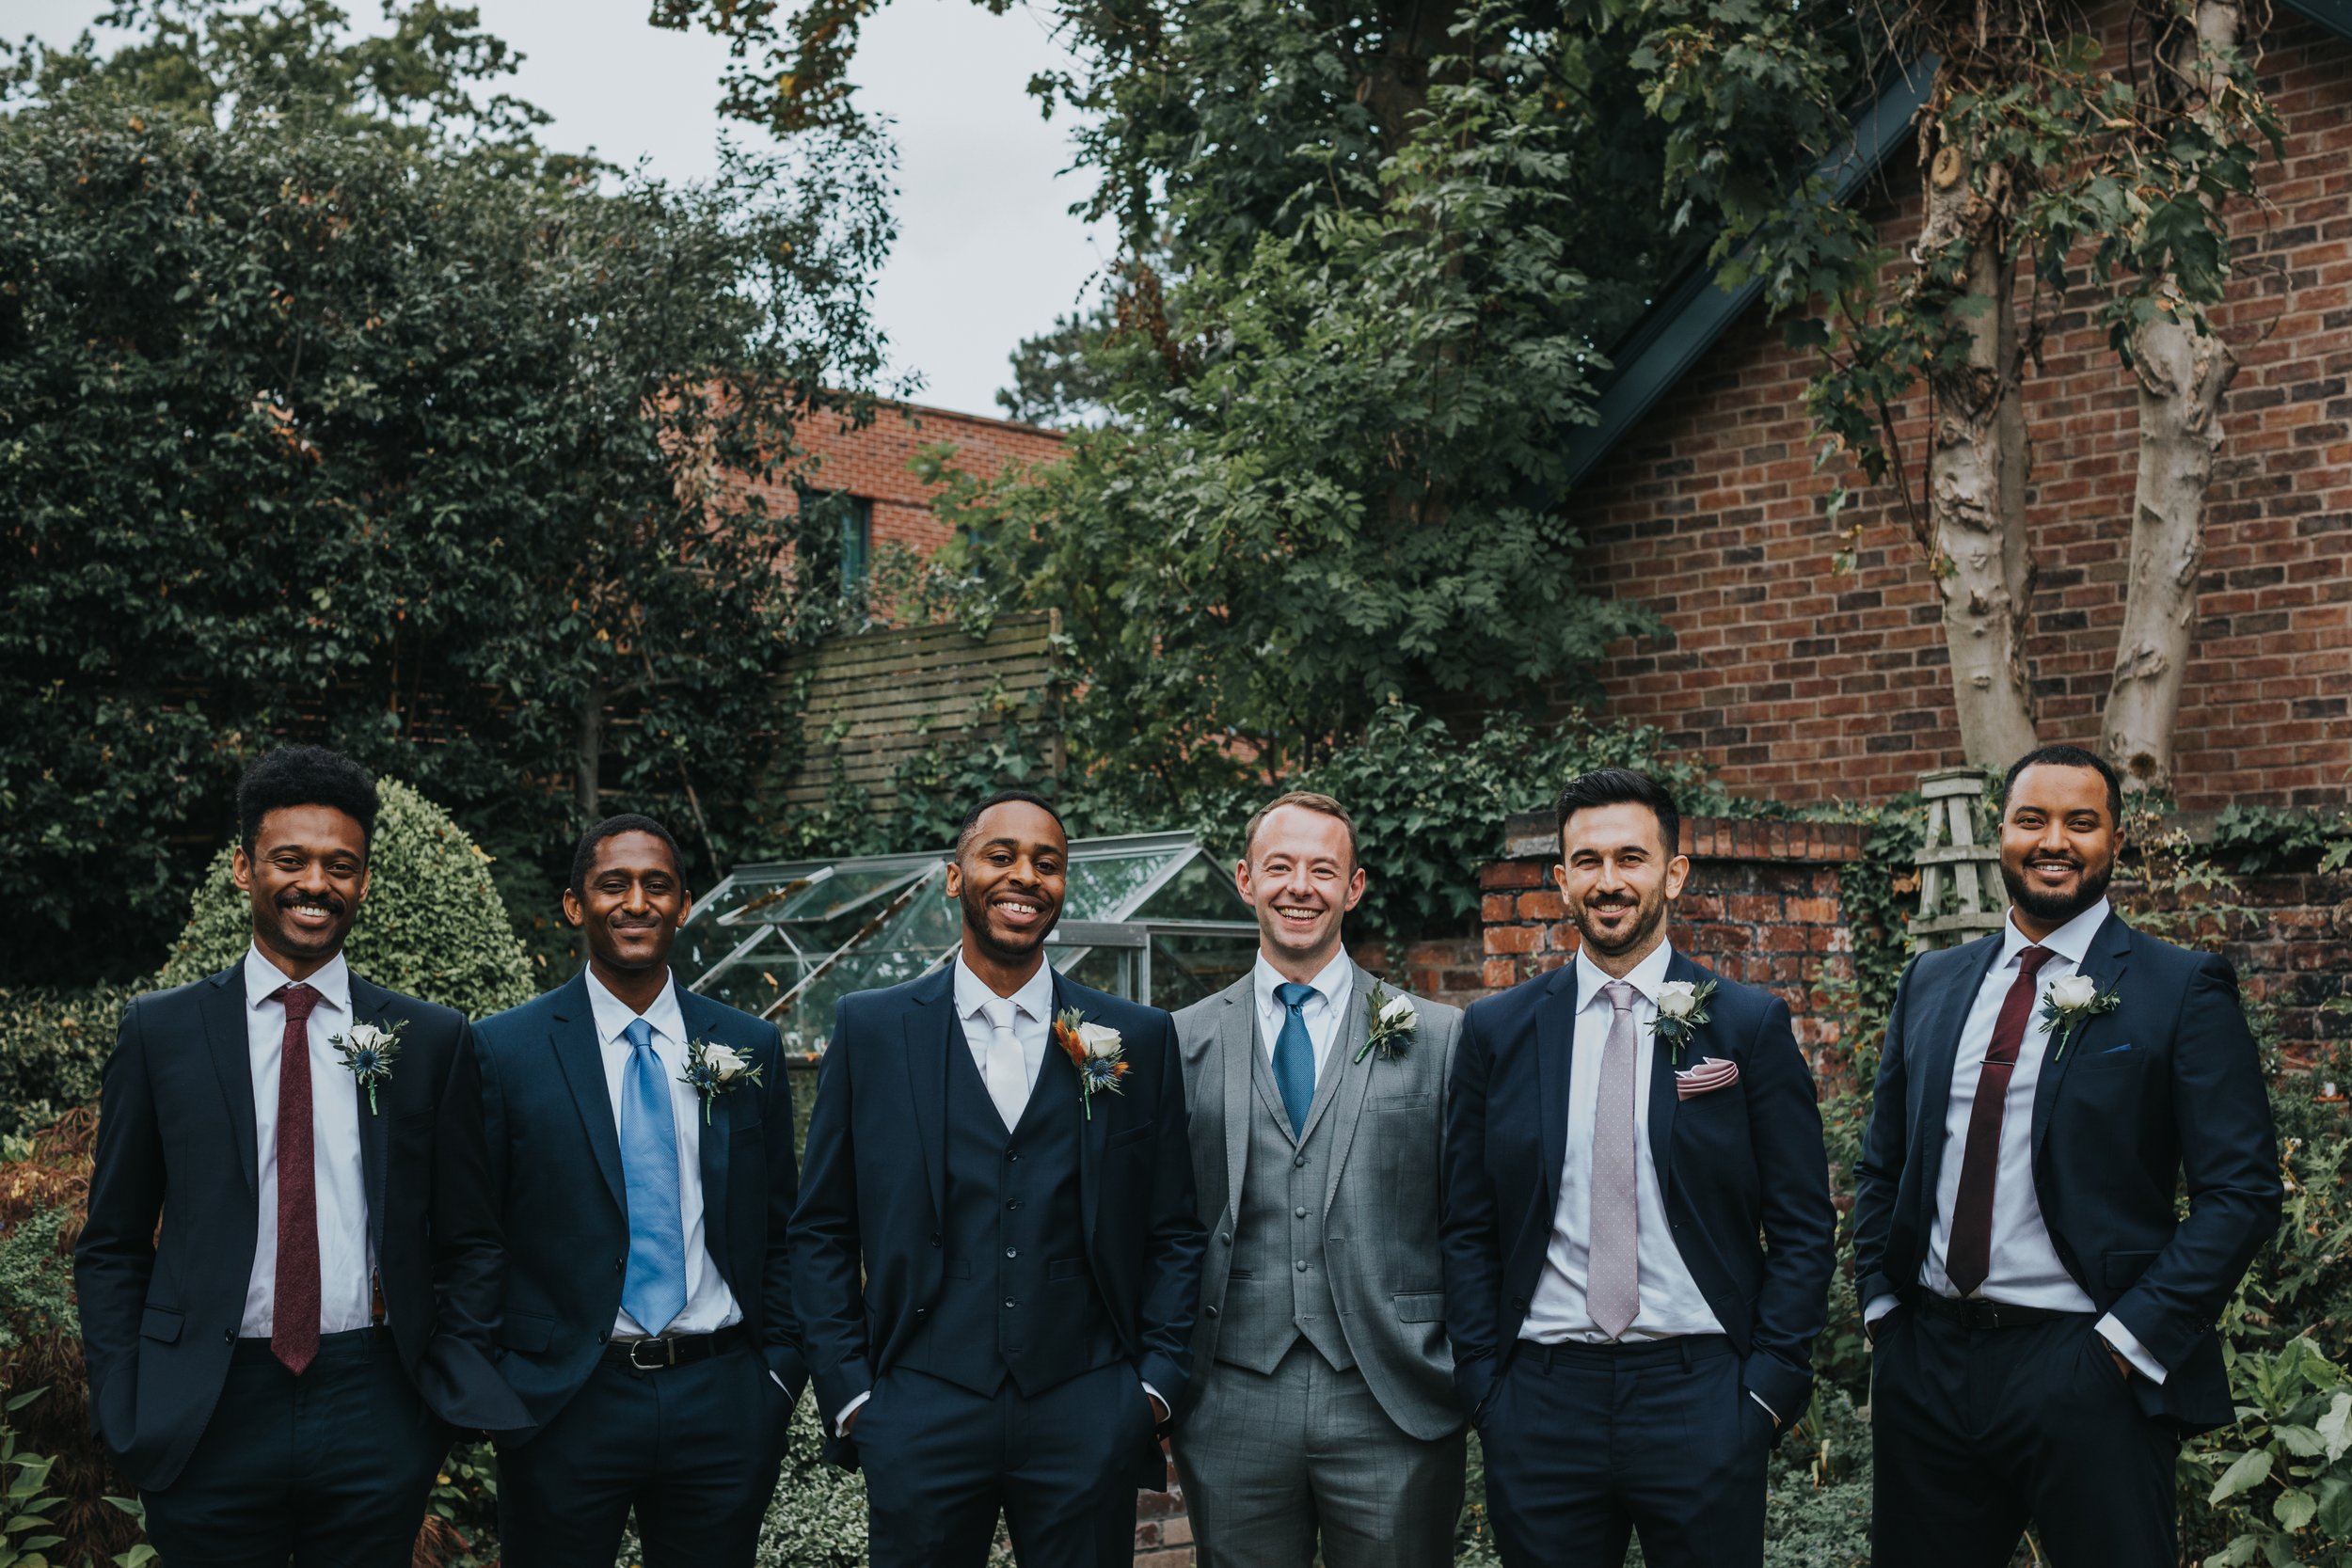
(2334, 15)
(1685, 324)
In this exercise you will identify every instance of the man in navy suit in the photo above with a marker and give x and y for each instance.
(277, 1369)
(996, 1256)
(1620, 1133)
(641, 1154)
(2041, 1319)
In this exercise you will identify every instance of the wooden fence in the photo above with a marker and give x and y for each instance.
(871, 704)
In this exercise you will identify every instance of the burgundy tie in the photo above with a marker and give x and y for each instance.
(1969, 1256)
(294, 1336)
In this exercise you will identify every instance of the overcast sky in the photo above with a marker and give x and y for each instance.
(987, 251)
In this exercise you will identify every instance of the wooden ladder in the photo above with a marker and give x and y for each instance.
(1951, 856)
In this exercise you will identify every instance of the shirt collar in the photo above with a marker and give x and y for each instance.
(2070, 942)
(1333, 982)
(332, 981)
(1035, 997)
(1646, 977)
(613, 1016)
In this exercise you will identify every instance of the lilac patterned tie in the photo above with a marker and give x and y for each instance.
(1613, 1290)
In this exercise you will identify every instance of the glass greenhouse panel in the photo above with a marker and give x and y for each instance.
(788, 941)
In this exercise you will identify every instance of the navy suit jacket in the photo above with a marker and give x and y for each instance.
(177, 1139)
(2167, 1086)
(866, 1263)
(555, 1176)
(1733, 1163)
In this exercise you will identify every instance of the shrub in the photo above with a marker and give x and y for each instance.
(433, 924)
(52, 1045)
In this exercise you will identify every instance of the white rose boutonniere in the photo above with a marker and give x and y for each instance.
(369, 1051)
(1390, 1022)
(1681, 1012)
(714, 1070)
(2070, 1004)
(1096, 1051)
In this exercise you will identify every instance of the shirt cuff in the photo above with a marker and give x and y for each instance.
(1878, 1307)
(1155, 1394)
(1768, 1409)
(841, 1422)
(2129, 1348)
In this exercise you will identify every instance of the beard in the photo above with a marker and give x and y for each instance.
(1649, 913)
(1016, 944)
(2056, 909)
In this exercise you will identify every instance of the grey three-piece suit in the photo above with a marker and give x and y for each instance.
(1322, 1401)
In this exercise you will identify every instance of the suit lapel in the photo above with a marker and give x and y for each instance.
(2109, 955)
(1093, 1132)
(1942, 1018)
(222, 1009)
(932, 1031)
(1555, 1048)
(1662, 1095)
(1355, 1077)
(717, 1116)
(371, 1004)
(1236, 1050)
(580, 1057)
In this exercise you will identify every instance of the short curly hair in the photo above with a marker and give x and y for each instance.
(304, 776)
(584, 852)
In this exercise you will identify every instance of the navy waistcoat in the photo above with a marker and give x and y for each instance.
(1019, 1299)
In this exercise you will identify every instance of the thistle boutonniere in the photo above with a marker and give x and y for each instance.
(1681, 1012)
(2070, 1004)
(1388, 1023)
(1096, 1051)
(368, 1050)
(715, 1069)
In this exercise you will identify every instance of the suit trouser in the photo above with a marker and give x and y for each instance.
(1587, 1445)
(941, 1461)
(327, 1471)
(1274, 1462)
(1975, 1432)
(695, 1448)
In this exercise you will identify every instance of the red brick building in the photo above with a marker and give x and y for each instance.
(1698, 497)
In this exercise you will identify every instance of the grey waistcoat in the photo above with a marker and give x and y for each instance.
(1279, 1287)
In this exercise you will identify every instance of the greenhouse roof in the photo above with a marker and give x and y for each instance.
(1148, 915)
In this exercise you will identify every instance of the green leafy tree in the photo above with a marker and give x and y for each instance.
(332, 433)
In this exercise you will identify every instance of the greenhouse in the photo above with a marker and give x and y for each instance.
(1148, 916)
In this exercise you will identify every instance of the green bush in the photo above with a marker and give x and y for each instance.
(53, 1044)
(432, 926)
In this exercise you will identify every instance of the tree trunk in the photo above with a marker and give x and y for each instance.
(589, 756)
(2184, 373)
(1976, 470)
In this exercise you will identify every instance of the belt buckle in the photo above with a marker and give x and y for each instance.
(669, 1355)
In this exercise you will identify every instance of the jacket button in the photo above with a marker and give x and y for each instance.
(1299, 1160)
(1008, 1301)
(1300, 1210)
(1012, 1252)
(1211, 1312)
(1300, 1265)
(935, 1238)
(1226, 1236)
(922, 1311)
(620, 1265)
(228, 1335)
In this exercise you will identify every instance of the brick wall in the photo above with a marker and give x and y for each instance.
(1761, 906)
(874, 464)
(1803, 684)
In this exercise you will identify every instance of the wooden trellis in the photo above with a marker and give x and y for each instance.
(1952, 858)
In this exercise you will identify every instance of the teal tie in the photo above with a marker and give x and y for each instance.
(653, 1291)
(1295, 1055)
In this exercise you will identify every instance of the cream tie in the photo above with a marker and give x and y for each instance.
(1008, 1072)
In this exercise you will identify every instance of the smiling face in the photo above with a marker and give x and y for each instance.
(2058, 842)
(306, 874)
(1010, 874)
(630, 903)
(1300, 876)
(1616, 879)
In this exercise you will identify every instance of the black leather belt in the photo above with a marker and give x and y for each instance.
(676, 1349)
(1976, 1312)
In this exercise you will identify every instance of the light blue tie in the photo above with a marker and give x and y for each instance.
(654, 1290)
(1295, 1055)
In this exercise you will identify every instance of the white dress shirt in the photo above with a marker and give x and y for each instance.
(346, 1264)
(2025, 1271)
(1032, 1017)
(709, 1305)
(1670, 1303)
(1322, 1012)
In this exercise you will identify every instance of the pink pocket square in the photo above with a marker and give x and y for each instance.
(1712, 1073)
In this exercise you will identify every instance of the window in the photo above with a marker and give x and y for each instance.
(857, 540)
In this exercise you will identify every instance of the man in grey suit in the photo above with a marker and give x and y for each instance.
(1322, 1408)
